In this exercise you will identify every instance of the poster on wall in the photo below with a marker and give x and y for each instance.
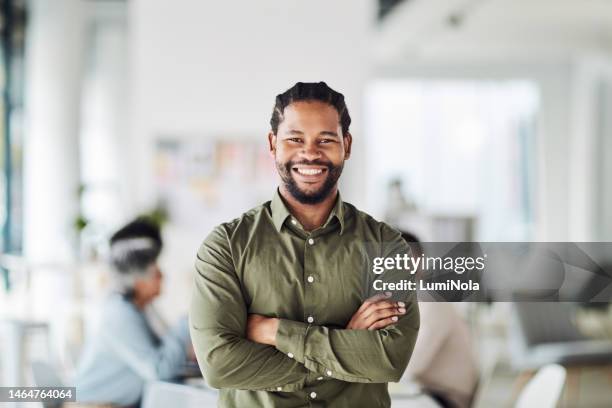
(205, 181)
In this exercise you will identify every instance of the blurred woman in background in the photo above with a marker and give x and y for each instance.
(123, 352)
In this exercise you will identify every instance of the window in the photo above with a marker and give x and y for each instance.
(463, 149)
(11, 108)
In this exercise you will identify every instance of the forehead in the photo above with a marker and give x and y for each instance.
(310, 114)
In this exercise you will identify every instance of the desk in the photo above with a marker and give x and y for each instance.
(14, 335)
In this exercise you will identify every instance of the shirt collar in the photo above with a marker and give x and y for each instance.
(280, 212)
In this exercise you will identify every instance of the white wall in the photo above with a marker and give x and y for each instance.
(214, 69)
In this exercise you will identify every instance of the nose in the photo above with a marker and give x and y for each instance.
(311, 151)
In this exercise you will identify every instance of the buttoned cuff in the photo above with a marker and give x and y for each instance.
(291, 337)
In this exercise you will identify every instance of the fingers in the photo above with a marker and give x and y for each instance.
(381, 324)
(383, 304)
(378, 308)
(372, 300)
(360, 321)
(382, 314)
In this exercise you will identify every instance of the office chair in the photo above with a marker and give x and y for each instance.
(45, 375)
(545, 389)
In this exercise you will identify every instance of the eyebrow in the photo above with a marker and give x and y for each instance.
(323, 133)
(328, 133)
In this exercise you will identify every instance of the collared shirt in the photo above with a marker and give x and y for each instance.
(264, 262)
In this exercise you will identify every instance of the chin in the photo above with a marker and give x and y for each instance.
(310, 193)
(308, 189)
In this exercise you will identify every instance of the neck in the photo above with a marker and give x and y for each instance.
(311, 216)
(139, 302)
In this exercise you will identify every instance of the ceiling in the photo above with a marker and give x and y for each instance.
(440, 30)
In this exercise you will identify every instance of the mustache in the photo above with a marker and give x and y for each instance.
(327, 164)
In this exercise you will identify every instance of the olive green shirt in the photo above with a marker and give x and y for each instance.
(264, 262)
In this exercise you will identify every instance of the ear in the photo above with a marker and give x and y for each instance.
(272, 143)
(348, 142)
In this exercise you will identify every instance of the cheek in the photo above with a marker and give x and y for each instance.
(335, 154)
(152, 287)
(284, 151)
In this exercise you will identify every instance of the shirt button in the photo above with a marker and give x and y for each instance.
(279, 388)
(311, 241)
(310, 319)
(310, 278)
(290, 355)
(329, 373)
(313, 395)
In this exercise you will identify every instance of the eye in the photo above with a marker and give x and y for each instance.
(324, 141)
(295, 140)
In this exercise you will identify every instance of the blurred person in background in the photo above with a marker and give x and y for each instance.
(443, 361)
(123, 352)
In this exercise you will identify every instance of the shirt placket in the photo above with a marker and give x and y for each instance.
(311, 281)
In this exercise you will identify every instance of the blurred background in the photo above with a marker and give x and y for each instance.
(485, 120)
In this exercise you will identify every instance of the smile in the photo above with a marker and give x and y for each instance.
(309, 172)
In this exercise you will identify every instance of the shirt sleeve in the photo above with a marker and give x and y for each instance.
(369, 356)
(218, 317)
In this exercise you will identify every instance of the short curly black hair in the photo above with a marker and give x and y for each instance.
(310, 91)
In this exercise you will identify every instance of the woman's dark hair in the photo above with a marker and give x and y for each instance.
(135, 246)
(310, 91)
(139, 228)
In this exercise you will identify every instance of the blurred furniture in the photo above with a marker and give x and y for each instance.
(546, 332)
(544, 390)
(16, 266)
(416, 401)
(486, 376)
(437, 227)
(43, 298)
(45, 375)
(160, 394)
(410, 394)
(15, 335)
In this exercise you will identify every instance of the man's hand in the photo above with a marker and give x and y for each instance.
(261, 329)
(377, 312)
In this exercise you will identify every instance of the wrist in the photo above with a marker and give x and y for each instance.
(271, 332)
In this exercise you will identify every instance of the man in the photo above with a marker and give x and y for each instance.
(123, 352)
(280, 315)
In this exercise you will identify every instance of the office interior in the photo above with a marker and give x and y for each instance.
(473, 120)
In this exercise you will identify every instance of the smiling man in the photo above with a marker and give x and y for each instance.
(283, 313)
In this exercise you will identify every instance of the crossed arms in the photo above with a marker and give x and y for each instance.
(238, 350)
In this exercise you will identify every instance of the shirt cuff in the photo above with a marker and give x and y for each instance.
(291, 338)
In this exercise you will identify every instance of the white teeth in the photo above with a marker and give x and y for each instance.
(309, 172)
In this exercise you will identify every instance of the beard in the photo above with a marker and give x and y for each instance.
(312, 197)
